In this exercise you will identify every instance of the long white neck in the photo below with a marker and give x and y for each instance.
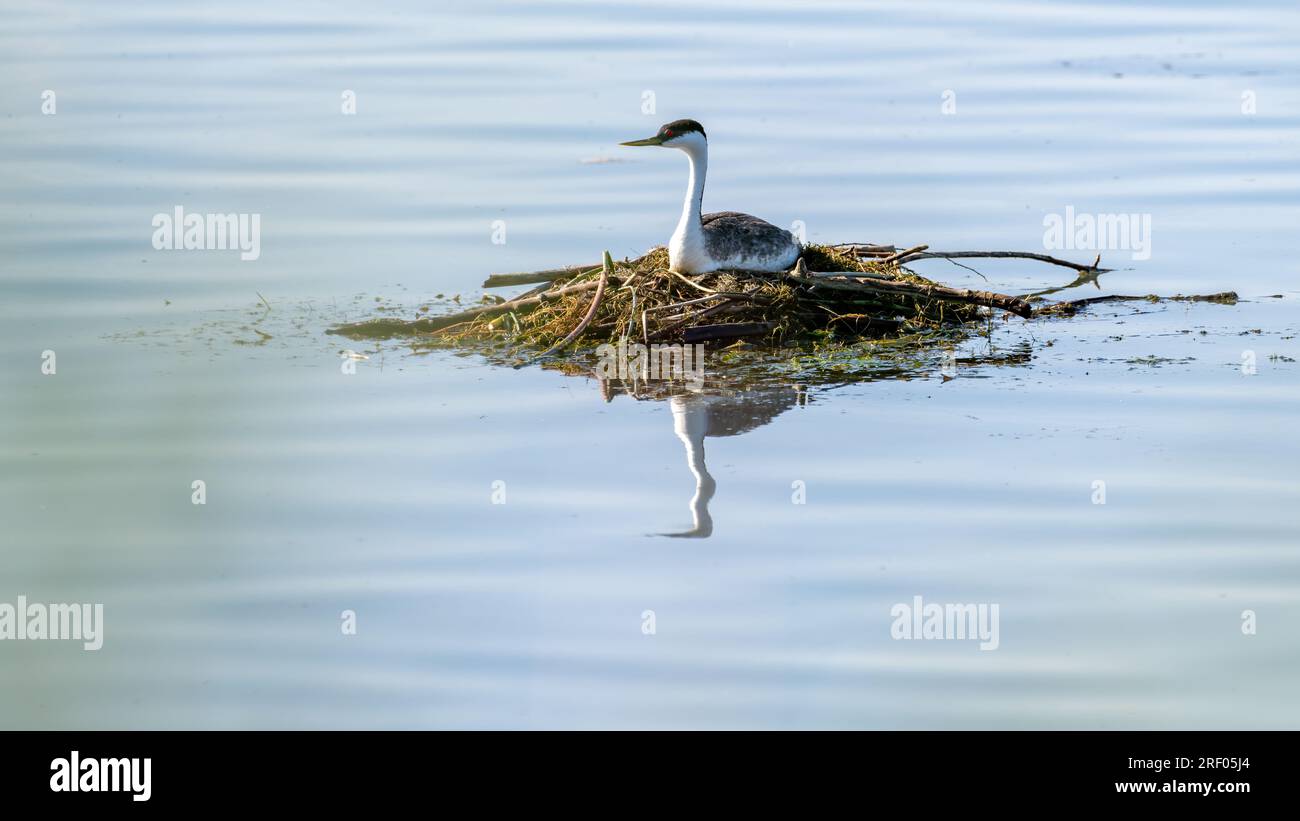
(697, 152)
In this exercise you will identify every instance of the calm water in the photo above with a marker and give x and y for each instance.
(373, 492)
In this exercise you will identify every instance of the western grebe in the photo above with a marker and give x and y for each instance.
(727, 239)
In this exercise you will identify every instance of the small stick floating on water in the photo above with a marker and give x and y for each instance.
(1071, 307)
(533, 277)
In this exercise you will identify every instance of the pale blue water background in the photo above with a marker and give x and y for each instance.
(372, 492)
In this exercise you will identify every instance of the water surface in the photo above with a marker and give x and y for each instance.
(373, 492)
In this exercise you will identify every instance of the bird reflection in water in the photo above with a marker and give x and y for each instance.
(715, 412)
(697, 415)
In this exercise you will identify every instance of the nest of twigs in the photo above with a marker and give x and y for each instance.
(843, 310)
(847, 290)
(645, 301)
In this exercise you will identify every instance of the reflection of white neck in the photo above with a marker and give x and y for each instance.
(691, 423)
(686, 248)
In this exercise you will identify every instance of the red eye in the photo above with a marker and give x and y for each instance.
(668, 133)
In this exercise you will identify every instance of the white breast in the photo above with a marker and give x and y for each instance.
(687, 254)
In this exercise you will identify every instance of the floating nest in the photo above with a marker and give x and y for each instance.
(853, 290)
(840, 295)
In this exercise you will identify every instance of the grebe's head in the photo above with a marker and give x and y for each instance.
(683, 134)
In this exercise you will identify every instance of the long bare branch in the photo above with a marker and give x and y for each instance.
(1065, 263)
(1005, 302)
